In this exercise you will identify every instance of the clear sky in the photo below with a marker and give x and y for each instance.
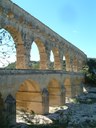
(74, 20)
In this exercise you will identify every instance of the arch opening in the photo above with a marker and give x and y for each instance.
(34, 56)
(7, 50)
(51, 65)
(64, 63)
(39, 54)
(29, 97)
(15, 39)
(54, 93)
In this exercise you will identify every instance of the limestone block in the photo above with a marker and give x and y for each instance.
(29, 96)
(68, 94)
(68, 88)
(54, 90)
(54, 100)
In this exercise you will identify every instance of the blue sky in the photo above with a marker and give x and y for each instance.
(74, 20)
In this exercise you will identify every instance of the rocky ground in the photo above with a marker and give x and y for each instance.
(79, 114)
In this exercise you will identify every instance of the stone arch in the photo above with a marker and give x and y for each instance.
(20, 50)
(57, 64)
(54, 90)
(35, 60)
(29, 97)
(29, 85)
(42, 53)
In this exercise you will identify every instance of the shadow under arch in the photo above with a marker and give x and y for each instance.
(67, 85)
(54, 90)
(42, 53)
(20, 50)
(29, 97)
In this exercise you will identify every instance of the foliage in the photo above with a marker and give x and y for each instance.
(90, 72)
(51, 66)
(11, 66)
(7, 48)
(35, 64)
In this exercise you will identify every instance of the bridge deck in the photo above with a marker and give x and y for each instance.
(32, 71)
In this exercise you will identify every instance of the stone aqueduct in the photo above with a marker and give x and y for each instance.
(25, 29)
(35, 86)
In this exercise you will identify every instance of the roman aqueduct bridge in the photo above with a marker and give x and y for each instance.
(29, 88)
(25, 29)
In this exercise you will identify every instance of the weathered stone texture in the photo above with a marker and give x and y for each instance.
(25, 29)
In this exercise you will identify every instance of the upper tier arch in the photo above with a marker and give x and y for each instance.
(30, 29)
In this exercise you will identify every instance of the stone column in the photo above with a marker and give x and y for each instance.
(10, 110)
(45, 101)
(68, 61)
(27, 56)
(48, 58)
(23, 51)
(80, 64)
(57, 64)
(63, 91)
(75, 68)
(21, 61)
(2, 114)
(71, 62)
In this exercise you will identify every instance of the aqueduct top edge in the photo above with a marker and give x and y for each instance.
(16, 10)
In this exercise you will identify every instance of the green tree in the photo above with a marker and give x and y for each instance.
(90, 72)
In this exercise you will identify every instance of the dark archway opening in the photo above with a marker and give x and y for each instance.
(64, 63)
